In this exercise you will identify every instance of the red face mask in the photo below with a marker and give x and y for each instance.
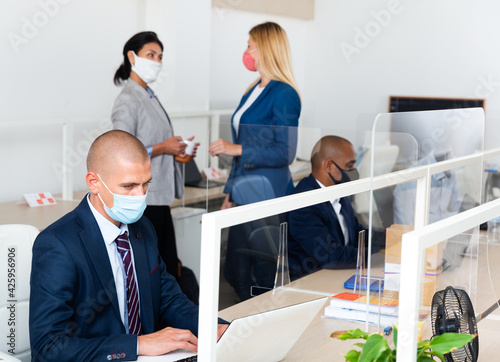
(248, 61)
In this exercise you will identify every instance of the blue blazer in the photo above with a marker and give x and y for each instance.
(268, 135)
(74, 313)
(315, 238)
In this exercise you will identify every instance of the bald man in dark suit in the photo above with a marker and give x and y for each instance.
(82, 298)
(325, 235)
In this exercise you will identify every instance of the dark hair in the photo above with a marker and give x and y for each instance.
(135, 44)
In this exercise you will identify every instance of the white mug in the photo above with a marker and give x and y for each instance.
(188, 150)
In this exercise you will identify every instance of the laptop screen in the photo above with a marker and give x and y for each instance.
(191, 173)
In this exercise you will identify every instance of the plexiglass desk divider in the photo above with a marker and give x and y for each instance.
(282, 272)
(213, 223)
(226, 218)
(442, 137)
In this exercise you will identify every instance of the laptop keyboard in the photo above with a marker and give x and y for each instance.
(188, 359)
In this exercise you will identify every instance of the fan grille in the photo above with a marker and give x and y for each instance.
(452, 311)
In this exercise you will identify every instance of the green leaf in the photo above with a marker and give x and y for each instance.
(447, 342)
(375, 346)
(354, 334)
(395, 335)
(352, 356)
(426, 359)
(360, 345)
(437, 354)
(385, 356)
(423, 344)
(393, 354)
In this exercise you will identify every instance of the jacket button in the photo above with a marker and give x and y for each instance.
(109, 357)
(138, 235)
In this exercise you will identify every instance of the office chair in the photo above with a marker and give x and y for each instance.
(8, 358)
(16, 242)
(262, 245)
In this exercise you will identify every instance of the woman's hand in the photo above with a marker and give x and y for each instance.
(224, 147)
(226, 204)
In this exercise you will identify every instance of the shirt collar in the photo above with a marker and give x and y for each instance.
(109, 230)
(138, 90)
(334, 201)
(150, 91)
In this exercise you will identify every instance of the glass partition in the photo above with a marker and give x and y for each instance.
(320, 264)
(250, 251)
(437, 139)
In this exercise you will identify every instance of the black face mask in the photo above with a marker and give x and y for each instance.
(347, 175)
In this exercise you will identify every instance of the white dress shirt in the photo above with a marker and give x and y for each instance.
(337, 206)
(109, 233)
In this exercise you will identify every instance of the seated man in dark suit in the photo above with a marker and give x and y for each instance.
(99, 290)
(325, 235)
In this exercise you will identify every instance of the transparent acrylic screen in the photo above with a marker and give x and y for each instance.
(438, 136)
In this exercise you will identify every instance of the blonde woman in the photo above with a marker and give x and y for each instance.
(264, 129)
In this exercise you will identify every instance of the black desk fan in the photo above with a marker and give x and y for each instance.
(452, 311)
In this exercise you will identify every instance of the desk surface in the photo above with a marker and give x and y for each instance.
(20, 213)
(316, 345)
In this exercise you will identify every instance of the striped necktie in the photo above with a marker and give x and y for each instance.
(134, 321)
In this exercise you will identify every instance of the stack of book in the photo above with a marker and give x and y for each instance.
(352, 306)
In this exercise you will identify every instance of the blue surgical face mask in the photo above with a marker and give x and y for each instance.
(126, 209)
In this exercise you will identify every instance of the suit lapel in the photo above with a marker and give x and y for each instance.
(260, 97)
(252, 106)
(143, 280)
(329, 210)
(91, 238)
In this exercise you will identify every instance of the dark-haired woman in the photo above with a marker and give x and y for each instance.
(138, 111)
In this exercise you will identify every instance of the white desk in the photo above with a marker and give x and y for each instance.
(317, 345)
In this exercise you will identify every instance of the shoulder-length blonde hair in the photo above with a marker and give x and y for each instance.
(274, 51)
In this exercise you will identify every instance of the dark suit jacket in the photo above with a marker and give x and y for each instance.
(268, 135)
(74, 313)
(315, 239)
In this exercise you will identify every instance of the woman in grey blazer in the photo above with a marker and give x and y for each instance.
(138, 111)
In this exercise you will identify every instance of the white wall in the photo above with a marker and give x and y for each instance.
(65, 62)
(425, 48)
(415, 48)
(58, 59)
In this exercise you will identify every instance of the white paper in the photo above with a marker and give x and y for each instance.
(212, 173)
(40, 199)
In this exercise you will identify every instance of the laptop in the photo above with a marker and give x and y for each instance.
(192, 177)
(262, 337)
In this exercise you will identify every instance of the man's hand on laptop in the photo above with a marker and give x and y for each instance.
(167, 340)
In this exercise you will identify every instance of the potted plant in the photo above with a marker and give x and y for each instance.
(376, 348)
